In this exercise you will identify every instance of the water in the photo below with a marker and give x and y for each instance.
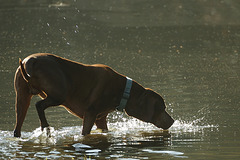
(140, 141)
(186, 51)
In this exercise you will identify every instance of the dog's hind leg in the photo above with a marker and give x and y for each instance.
(23, 98)
(53, 86)
(41, 106)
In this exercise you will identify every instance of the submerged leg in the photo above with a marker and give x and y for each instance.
(23, 98)
(41, 106)
(102, 123)
(88, 122)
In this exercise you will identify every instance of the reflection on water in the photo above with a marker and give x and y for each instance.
(140, 141)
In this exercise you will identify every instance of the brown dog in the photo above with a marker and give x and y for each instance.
(87, 91)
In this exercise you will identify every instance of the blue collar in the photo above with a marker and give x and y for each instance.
(126, 95)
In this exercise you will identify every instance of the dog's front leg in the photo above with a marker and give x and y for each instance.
(102, 123)
(88, 122)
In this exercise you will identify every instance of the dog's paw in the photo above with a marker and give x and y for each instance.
(47, 130)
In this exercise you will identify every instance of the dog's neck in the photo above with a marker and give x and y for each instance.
(126, 95)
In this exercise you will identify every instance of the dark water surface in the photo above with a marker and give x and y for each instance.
(186, 51)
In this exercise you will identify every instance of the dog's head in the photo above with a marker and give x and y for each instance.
(151, 108)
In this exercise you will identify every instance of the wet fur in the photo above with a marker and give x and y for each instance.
(87, 91)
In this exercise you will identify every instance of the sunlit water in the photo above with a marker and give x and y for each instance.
(187, 51)
(140, 141)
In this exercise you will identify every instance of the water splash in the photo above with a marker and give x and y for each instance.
(126, 126)
(133, 125)
(191, 126)
(122, 135)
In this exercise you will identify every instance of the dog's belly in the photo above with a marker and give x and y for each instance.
(74, 109)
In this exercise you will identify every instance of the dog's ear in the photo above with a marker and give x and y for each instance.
(147, 105)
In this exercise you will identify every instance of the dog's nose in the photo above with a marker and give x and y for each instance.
(168, 124)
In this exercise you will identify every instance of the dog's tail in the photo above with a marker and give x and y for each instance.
(23, 71)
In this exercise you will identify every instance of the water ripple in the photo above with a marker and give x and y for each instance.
(125, 139)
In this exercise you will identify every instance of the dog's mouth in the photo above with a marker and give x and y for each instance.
(168, 125)
(164, 121)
